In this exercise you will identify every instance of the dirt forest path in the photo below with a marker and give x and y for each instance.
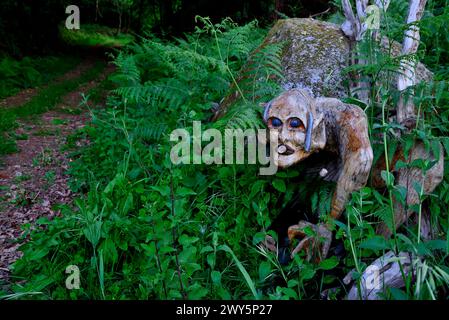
(33, 181)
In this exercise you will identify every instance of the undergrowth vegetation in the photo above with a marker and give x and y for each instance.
(144, 228)
(31, 72)
(45, 99)
(92, 35)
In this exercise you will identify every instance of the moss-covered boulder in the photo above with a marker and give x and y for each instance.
(315, 54)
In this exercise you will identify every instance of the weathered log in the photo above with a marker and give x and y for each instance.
(385, 272)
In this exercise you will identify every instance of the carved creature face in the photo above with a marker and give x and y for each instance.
(300, 129)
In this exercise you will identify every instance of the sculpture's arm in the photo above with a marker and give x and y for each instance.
(355, 152)
(349, 127)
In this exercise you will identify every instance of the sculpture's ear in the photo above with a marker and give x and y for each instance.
(318, 119)
(310, 125)
(318, 134)
(314, 124)
(266, 107)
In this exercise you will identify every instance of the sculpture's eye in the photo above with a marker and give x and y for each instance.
(275, 122)
(297, 124)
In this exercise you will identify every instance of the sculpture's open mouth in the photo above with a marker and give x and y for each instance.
(285, 150)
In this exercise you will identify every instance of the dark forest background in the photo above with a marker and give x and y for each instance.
(28, 27)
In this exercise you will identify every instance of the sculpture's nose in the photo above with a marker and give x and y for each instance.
(285, 133)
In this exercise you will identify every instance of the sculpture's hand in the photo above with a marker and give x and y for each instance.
(270, 244)
(316, 245)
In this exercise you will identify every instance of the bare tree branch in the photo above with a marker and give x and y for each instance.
(349, 27)
(407, 76)
(382, 4)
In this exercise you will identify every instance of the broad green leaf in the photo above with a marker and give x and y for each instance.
(329, 263)
(216, 277)
(375, 243)
(279, 185)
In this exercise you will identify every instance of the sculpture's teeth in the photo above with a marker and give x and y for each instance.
(282, 149)
(323, 172)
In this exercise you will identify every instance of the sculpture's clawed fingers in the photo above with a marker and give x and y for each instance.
(297, 230)
(270, 244)
(303, 244)
(317, 245)
(326, 240)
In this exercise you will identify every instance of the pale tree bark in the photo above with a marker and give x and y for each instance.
(356, 25)
(383, 7)
(355, 28)
(97, 10)
(407, 76)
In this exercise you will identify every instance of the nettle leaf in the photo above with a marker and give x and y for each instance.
(186, 240)
(150, 249)
(256, 188)
(292, 283)
(290, 293)
(400, 192)
(206, 249)
(307, 273)
(398, 294)
(423, 250)
(375, 243)
(401, 164)
(255, 207)
(435, 146)
(445, 142)
(279, 185)
(436, 245)
(211, 260)
(419, 188)
(309, 231)
(258, 237)
(185, 192)
(163, 190)
(216, 277)
(190, 268)
(341, 226)
(166, 249)
(196, 292)
(187, 254)
(329, 263)
(388, 177)
(264, 270)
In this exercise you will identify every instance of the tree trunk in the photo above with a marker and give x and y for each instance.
(165, 12)
(96, 10)
(278, 7)
(140, 16)
(407, 76)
